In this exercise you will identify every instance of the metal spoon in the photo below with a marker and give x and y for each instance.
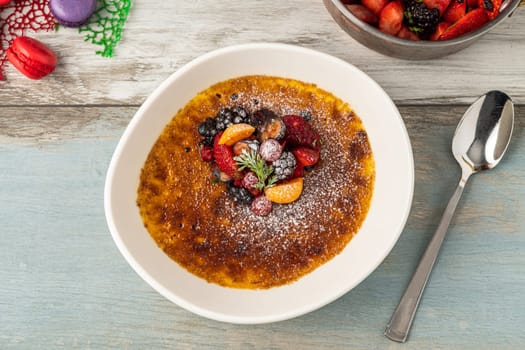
(479, 143)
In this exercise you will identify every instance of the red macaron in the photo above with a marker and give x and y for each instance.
(31, 57)
(4, 2)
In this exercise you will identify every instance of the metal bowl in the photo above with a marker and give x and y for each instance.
(389, 45)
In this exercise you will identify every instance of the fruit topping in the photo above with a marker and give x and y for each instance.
(223, 156)
(227, 117)
(298, 172)
(206, 153)
(306, 156)
(254, 162)
(258, 118)
(271, 150)
(285, 192)
(273, 128)
(259, 155)
(261, 206)
(299, 132)
(235, 133)
(250, 180)
(245, 145)
(208, 129)
(284, 167)
(239, 194)
(219, 175)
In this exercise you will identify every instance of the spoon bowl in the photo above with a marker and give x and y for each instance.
(479, 143)
(484, 132)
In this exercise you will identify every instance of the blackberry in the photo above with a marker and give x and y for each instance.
(419, 18)
(227, 117)
(207, 128)
(284, 166)
(239, 194)
(240, 115)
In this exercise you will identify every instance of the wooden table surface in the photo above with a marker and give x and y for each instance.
(64, 284)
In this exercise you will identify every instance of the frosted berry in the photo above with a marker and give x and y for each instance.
(271, 150)
(249, 180)
(284, 166)
(261, 206)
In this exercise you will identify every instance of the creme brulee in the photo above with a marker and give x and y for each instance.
(194, 221)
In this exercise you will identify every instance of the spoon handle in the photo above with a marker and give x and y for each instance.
(401, 321)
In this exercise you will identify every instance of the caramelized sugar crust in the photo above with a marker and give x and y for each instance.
(193, 220)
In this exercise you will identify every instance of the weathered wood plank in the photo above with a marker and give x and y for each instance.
(161, 36)
(65, 285)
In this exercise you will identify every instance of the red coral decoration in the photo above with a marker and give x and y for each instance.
(20, 16)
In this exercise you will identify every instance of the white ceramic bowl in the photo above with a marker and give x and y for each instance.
(385, 220)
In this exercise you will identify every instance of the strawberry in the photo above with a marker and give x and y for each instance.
(471, 21)
(363, 13)
(441, 5)
(406, 33)
(491, 6)
(306, 156)
(441, 27)
(299, 132)
(391, 18)
(374, 5)
(472, 4)
(456, 10)
(224, 158)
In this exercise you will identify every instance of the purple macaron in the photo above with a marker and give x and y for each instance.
(72, 13)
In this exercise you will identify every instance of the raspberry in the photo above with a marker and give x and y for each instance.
(249, 180)
(271, 150)
(206, 153)
(300, 133)
(261, 206)
(284, 167)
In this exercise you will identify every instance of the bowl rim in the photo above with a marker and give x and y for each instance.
(187, 304)
(423, 43)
